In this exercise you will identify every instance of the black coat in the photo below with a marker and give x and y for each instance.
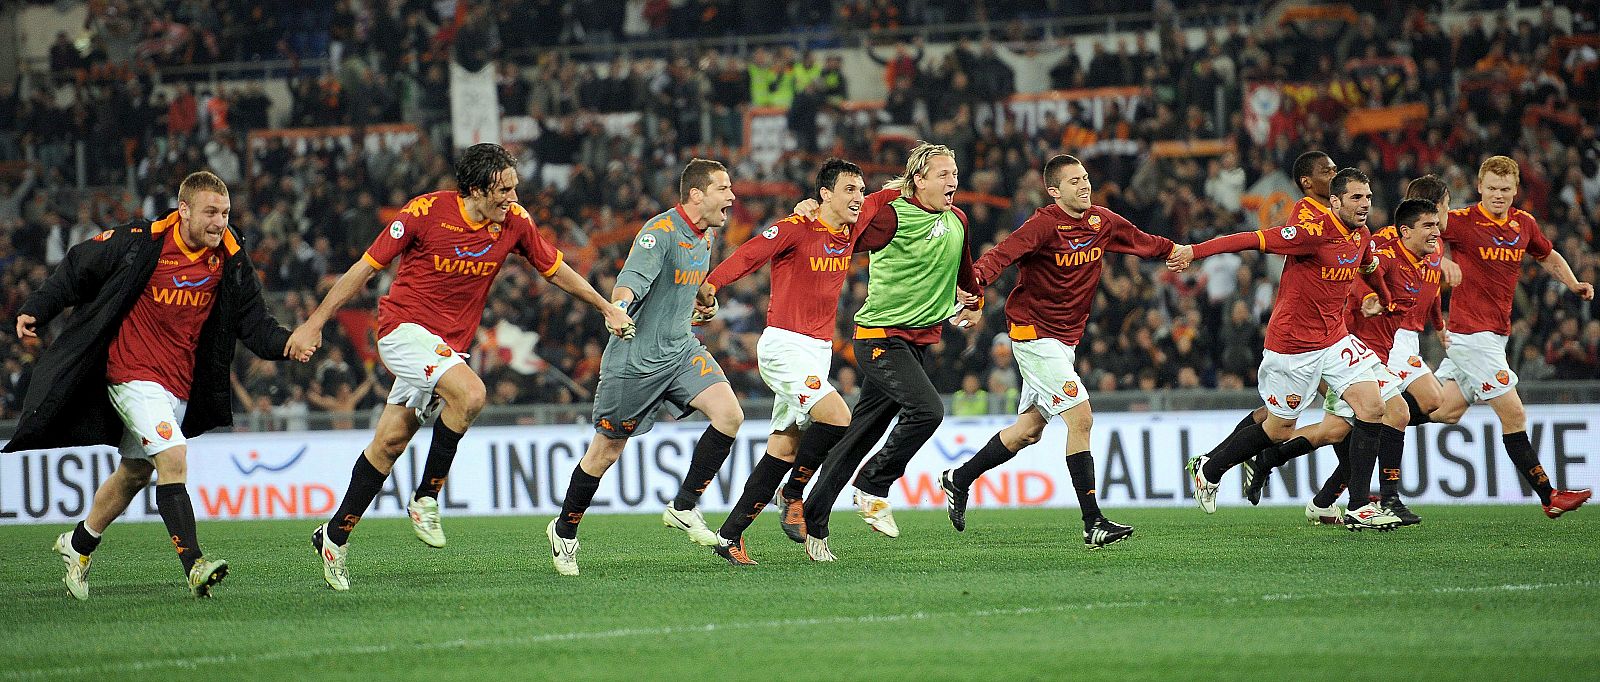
(67, 404)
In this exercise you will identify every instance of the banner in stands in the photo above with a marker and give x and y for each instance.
(523, 470)
(474, 105)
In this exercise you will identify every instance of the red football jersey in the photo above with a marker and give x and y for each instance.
(157, 339)
(1490, 254)
(448, 262)
(1323, 258)
(1059, 259)
(1414, 282)
(810, 261)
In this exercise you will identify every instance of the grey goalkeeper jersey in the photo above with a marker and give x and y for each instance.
(664, 269)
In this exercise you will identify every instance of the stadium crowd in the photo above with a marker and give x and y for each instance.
(1489, 87)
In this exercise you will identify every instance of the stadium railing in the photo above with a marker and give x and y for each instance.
(1176, 400)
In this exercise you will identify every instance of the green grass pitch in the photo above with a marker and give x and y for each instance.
(1475, 592)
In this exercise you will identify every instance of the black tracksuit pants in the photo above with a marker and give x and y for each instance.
(893, 384)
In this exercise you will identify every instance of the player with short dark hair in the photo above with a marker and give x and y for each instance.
(1308, 342)
(1488, 240)
(664, 364)
(450, 245)
(920, 257)
(144, 362)
(1427, 198)
(1058, 252)
(810, 261)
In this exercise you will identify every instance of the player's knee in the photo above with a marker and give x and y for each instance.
(927, 414)
(469, 398)
(603, 452)
(1028, 436)
(1513, 418)
(728, 418)
(1278, 430)
(135, 475)
(172, 465)
(1078, 421)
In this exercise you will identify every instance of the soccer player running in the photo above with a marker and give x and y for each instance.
(1488, 240)
(1058, 254)
(810, 260)
(1394, 335)
(917, 239)
(1313, 171)
(1308, 344)
(664, 365)
(451, 245)
(143, 363)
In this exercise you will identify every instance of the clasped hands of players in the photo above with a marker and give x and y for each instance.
(1180, 258)
(619, 323)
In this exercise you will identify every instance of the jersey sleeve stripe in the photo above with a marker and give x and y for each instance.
(367, 257)
(553, 268)
(1261, 240)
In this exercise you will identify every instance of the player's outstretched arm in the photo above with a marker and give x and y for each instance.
(308, 336)
(1557, 266)
(617, 320)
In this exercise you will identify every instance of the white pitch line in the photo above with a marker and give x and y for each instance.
(457, 644)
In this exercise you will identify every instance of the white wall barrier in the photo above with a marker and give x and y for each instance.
(524, 470)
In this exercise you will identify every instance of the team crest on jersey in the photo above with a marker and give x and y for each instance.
(771, 232)
(397, 229)
(628, 425)
(1094, 222)
(443, 350)
(164, 429)
(104, 235)
(1514, 223)
(213, 263)
(1503, 377)
(494, 230)
(1070, 388)
(813, 382)
(647, 241)
(1414, 361)
(1288, 232)
(1293, 400)
(605, 424)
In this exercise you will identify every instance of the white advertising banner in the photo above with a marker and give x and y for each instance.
(474, 106)
(523, 470)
